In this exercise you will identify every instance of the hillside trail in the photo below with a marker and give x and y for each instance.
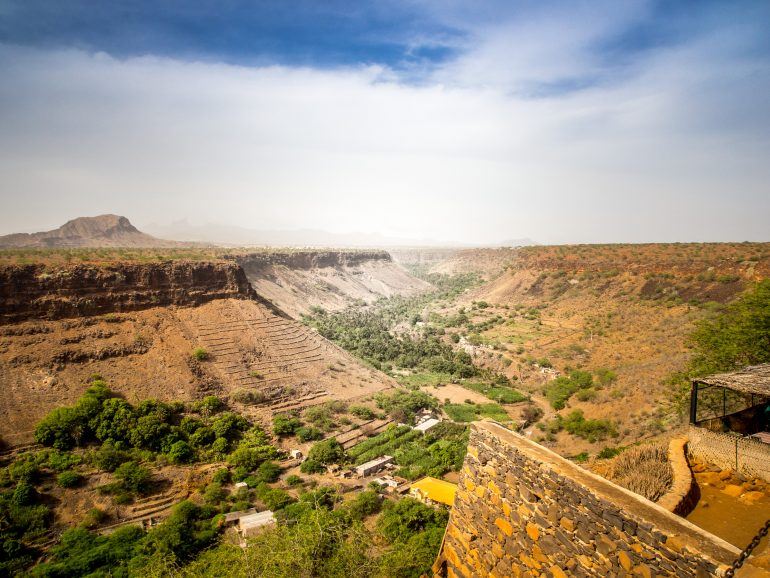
(548, 412)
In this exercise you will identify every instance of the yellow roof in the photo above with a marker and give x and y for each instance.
(436, 490)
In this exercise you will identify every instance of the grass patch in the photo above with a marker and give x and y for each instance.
(467, 412)
(498, 393)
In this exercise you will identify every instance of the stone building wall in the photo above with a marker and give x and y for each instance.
(522, 510)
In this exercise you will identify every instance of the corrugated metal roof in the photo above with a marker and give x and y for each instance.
(256, 520)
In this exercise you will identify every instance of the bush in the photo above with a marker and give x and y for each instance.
(200, 354)
(69, 479)
(307, 434)
(284, 425)
(327, 452)
(311, 467)
(133, 477)
(403, 519)
(181, 453)
(363, 412)
(268, 472)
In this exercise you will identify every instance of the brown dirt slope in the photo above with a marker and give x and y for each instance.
(100, 231)
(266, 361)
(626, 308)
(332, 280)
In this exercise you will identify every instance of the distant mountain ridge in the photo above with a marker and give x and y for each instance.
(99, 231)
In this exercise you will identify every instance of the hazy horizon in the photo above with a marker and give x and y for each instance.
(639, 121)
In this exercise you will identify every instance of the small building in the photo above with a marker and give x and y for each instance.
(386, 482)
(240, 485)
(425, 424)
(730, 420)
(296, 454)
(254, 523)
(232, 518)
(433, 491)
(373, 466)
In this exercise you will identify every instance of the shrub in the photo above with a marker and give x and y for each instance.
(200, 354)
(133, 477)
(294, 480)
(311, 467)
(363, 412)
(326, 452)
(181, 453)
(402, 519)
(222, 476)
(69, 479)
(307, 434)
(268, 472)
(284, 425)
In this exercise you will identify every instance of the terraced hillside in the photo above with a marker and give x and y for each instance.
(249, 351)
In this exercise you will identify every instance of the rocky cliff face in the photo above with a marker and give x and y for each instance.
(310, 259)
(36, 292)
(296, 281)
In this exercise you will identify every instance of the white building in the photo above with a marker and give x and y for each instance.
(425, 424)
(254, 523)
(373, 466)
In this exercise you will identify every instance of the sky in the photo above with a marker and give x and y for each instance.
(459, 122)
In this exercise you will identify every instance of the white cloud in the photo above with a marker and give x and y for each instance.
(663, 153)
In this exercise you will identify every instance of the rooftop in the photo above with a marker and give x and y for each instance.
(436, 490)
(753, 379)
(256, 520)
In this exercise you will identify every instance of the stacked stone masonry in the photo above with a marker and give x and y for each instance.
(521, 510)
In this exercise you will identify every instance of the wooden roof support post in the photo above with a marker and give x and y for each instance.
(693, 402)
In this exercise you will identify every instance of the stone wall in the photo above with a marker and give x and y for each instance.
(683, 495)
(746, 456)
(522, 510)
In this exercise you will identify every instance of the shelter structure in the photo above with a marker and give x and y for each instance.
(730, 420)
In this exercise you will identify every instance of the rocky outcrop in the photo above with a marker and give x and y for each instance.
(101, 231)
(38, 292)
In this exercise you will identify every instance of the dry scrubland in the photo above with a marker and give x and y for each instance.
(625, 311)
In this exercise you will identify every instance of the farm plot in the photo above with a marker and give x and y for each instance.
(440, 450)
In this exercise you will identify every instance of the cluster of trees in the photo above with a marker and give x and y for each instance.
(99, 417)
(366, 333)
(735, 337)
(321, 535)
(560, 390)
(132, 551)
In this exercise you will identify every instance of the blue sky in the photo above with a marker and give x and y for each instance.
(471, 122)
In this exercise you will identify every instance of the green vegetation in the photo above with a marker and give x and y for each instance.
(366, 332)
(439, 450)
(200, 354)
(467, 412)
(402, 406)
(129, 550)
(735, 337)
(501, 392)
(562, 388)
(576, 424)
(99, 418)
